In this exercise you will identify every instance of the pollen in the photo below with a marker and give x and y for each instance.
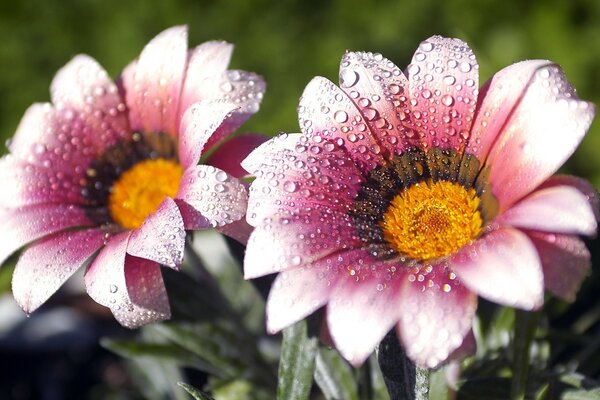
(429, 220)
(138, 192)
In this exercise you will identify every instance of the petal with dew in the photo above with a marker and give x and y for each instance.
(580, 184)
(559, 209)
(443, 80)
(26, 184)
(294, 177)
(327, 114)
(301, 239)
(379, 89)
(215, 194)
(565, 261)
(541, 133)
(206, 64)
(364, 304)
(161, 237)
(154, 81)
(230, 154)
(198, 124)
(47, 264)
(131, 287)
(85, 91)
(503, 266)
(26, 224)
(436, 314)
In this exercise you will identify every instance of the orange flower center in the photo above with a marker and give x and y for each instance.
(430, 219)
(139, 191)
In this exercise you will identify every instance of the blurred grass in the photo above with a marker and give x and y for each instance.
(290, 41)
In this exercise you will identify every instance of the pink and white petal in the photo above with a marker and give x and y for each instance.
(22, 225)
(364, 305)
(192, 219)
(161, 237)
(580, 184)
(503, 266)
(244, 89)
(206, 64)
(27, 184)
(436, 313)
(326, 113)
(303, 177)
(541, 133)
(297, 293)
(147, 293)
(281, 243)
(83, 88)
(230, 154)
(131, 287)
(238, 230)
(498, 98)
(268, 152)
(380, 91)
(154, 82)
(443, 81)
(215, 194)
(198, 124)
(53, 139)
(558, 209)
(46, 265)
(565, 260)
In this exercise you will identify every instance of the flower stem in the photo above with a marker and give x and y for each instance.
(404, 380)
(524, 330)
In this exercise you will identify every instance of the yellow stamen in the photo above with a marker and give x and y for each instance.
(432, 219)
(139, 191)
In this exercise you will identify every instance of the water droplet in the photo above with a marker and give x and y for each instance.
(465, 66)
(447, 100)
(113, 288)
(348, 78)
(289, 186)
(449, 80)
(340, 116)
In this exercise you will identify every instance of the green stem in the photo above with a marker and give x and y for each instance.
(524, 330)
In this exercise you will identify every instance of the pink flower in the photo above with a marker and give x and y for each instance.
(108, 174)
(408, 194)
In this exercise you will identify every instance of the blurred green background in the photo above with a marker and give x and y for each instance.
(290, 41)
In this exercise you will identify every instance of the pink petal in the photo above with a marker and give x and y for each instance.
(192, 219)
(20, 226)
(198, 124)
(131, 287)
(46, 265)
(239, 230)
(326, 113)
(290, 241)
(565, 260)
(379, 89)
(559, 209)
(206, 64)
(83, 90)
(161, 237)
(27, 184)
(295, 294)
(436, 314)
(580, 184)
(244, 89)
(541, 133)
(230, 154)
(293, 177)
(498, 98)
(443, 76)
(54, 139)
(364, 304)
(503, 266)
(214, 194)
(153, 83)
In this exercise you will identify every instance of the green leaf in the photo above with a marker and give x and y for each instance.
(297, 363)
(195, 393)
(438, 386)
(334, 376)
(380, 391)
(593, 394)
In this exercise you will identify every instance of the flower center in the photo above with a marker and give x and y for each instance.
(138, 192)
(432, 219)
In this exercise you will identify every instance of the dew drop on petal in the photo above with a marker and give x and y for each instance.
(340, 116)
(348, 78)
